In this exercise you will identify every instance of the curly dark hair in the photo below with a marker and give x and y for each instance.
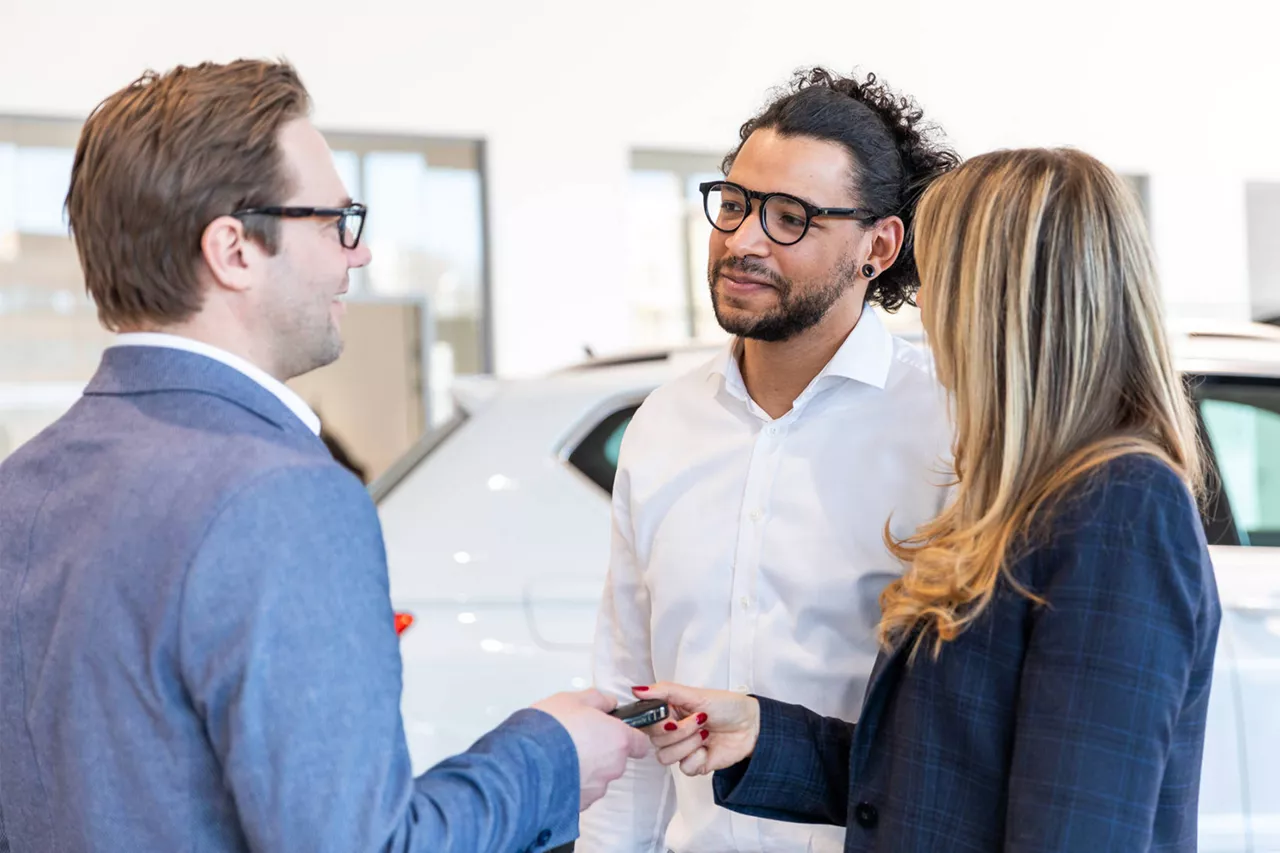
(896, 154)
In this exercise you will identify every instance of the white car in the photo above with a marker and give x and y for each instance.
(497, 531)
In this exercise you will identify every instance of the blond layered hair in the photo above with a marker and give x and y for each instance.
(1042, 308)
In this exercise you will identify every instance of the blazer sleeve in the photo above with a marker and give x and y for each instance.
(289, 655)
(799, 771)
(1131, 608)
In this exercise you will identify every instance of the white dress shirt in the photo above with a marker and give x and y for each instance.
(286, 394)
(748, 554)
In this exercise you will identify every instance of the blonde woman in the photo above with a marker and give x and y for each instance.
(1046, 657)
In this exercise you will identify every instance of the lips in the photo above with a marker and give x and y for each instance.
(744, 278)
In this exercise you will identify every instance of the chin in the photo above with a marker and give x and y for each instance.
(736, 321)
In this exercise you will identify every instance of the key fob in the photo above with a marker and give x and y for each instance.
(646, 712)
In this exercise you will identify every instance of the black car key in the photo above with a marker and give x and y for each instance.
(646, 712)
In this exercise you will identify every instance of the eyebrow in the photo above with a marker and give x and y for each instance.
(809, 202)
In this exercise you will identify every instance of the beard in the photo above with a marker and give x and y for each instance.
(799, 307)
(306, 336)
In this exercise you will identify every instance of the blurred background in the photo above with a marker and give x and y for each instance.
(531, 167)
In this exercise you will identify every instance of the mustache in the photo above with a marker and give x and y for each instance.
(748, 266)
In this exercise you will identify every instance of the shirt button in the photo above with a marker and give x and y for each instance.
(742, 688)
(773, 430)
(544, 837)
(746, 603)
(866, 815)
(756, 514)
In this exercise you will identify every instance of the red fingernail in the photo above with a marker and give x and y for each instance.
(640, 689)
(705, 734)
(702, 718)
(671, 727)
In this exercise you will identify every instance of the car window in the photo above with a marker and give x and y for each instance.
(596, 456)
(1242, 423)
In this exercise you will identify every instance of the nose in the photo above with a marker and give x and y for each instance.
(749, 238)
(360, 256)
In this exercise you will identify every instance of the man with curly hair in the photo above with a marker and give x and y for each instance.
(752, 494)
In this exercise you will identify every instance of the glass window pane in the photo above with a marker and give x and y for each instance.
(426, 230)
(453, 251)
(348, 166)
(8, 199)
(706, 327)
(656, 261)
(1243, 424)
(44, 174)
(454, 233)
(396, 193)
(597, 456)
(425, 225)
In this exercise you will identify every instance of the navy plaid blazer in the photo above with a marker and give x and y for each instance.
(1076, 726)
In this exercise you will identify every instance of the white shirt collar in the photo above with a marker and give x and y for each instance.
(285, 394)
(865, 356)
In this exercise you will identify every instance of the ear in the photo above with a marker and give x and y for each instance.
(887, 236)
(232, 258)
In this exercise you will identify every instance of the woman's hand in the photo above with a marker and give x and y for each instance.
(715, 729)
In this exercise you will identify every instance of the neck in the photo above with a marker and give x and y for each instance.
(228, 337)
(777, 372)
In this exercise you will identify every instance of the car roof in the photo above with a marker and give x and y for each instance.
(1227, 348)
(1215, 347)
(575, 398)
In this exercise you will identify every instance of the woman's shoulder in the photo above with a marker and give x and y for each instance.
(1135, 481)
(1134, 502)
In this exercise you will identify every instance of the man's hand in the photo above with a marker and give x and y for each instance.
(604, 744)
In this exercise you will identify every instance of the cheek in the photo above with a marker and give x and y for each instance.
(811, 265)
(716, 248)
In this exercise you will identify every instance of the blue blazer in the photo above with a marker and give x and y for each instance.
(1078, 726)
(196, 643)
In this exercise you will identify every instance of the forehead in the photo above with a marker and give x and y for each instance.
(310, 164)
(814, 169)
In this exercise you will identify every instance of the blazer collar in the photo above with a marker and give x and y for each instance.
(130, 370)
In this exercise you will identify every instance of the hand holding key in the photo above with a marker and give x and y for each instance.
(716, 728)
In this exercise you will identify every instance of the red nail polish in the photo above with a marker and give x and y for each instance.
(640, 689)
(671, 727)
(705, 734)
(702, 718)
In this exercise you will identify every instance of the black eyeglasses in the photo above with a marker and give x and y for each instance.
(350, 218)
(784, 218)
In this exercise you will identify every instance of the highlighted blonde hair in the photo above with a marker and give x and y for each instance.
(1042, 307)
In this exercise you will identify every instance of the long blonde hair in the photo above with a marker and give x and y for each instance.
(1042, 308)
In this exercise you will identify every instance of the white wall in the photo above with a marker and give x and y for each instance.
(562, 92)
